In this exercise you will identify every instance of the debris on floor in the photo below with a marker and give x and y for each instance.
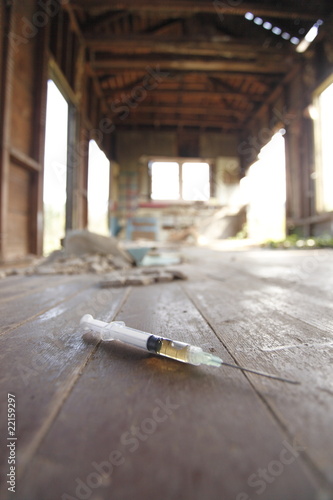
(82, 252)
(86, 263)
(141, 277)
(160, 258)
(81, 242)
(86, 252)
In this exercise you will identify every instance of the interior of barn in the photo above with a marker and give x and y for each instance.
(168, 164)
(185, 95)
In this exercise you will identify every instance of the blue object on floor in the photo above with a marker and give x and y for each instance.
(138, 253)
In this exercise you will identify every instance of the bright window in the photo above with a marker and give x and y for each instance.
(98, 189)
(325, 148)
(164, 180)
(195, 181)
(188, 181)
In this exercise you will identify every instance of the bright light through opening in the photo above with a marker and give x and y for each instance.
(326, 127)
(309, 37)
(98, 189)
(188, 181)
(165, 181)
(264, 189)
(196, 185)
(294, 40)
(258, 21)
(55, 168)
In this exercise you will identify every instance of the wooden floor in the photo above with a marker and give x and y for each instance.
(105, 421)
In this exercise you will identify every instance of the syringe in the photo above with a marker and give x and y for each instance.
(180, 351)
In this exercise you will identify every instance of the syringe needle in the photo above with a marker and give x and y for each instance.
(262, 374)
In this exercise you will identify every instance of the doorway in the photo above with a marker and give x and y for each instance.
(55, 168)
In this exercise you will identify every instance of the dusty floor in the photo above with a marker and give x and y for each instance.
(101, 421)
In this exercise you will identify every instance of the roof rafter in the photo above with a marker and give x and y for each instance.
(195, 94)
(163, 65)
(309, 10)
(223, 46)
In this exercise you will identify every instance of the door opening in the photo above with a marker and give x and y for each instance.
(55, 168)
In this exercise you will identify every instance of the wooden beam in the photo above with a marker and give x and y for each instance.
(103, 21)
(181, 109)
(6, 76)
(274, 95)
(177, 122)
(77, 30)
(25, 161)
(38, 149)
(309, 10)
(213, 46)
(112, 95)
(121, 64)
(163, 26)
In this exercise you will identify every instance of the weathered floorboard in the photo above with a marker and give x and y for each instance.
(216, 437)
(225, 435)
(39, 301)
(278, 329)
(41, 360)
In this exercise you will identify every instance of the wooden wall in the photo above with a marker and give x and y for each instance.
(37, 43)
(23, 91)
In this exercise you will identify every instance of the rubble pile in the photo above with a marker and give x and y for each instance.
(141, 277)
(86, 252)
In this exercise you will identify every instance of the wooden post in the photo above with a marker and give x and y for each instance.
(73, 160)
(5, 101)
(41, 69)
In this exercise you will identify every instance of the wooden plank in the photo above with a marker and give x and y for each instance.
(18, 235)
(278, 91)
(209, 444)
(19, 189)
(18, 211)
(25, 161)
(185, 110)
(180, 93)
(11, 282)
(38, 140)
(177, 121)
(14, 287)
(38, 302)
(119, 64)
(263, 328)
(310, 270)
(214, 46)
(5, 116)
(40, 363)
(289, 10)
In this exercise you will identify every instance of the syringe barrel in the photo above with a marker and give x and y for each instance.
(116, 330)
(125, 334)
